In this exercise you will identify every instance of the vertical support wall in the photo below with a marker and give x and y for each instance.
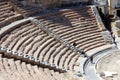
(98, 18)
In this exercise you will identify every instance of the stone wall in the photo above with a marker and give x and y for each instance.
(51, 3)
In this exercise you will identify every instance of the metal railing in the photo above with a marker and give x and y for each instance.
(29, 59)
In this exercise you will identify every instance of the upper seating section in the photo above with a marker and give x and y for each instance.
(30, 39)
(77, 25)
(26, 11)
(7, 14)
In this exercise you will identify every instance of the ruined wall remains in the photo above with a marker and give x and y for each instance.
(51, 3)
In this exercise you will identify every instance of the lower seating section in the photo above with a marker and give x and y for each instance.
(11, 69)
(7, 14)
(75, 26)
(30, 39)
(25, 10)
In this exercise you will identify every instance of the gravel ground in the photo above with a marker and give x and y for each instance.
(110, 64)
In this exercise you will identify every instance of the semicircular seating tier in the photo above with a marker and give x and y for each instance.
(77, 25)
(30, 39)
(25, 10)
(11, 69)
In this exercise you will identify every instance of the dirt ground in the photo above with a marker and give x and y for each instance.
(109, 66)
